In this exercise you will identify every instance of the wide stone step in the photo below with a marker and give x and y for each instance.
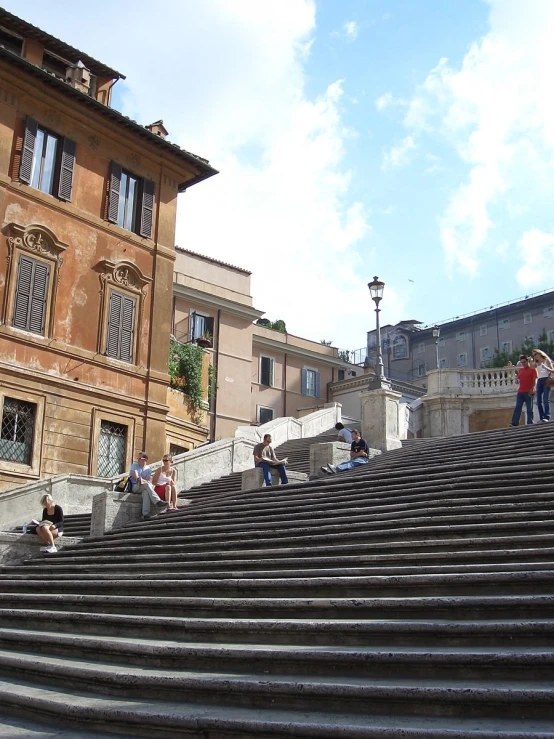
(509, 663)
(491, 622)
(176, 720)
(142, 561)
(511, 583)
(533, 699)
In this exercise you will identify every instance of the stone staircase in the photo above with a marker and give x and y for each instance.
(410, 598)
(297, 451)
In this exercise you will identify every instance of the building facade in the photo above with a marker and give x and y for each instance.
(88, 204)
(469, 342)
(258, 373)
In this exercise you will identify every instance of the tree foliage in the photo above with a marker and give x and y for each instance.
(278, 325)
(501, 359)
(185, 371)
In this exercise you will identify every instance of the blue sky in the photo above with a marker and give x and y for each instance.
(412, 139)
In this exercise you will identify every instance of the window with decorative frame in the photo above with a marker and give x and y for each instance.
(462, 359)
(21, 428)
(32, 275)
(122, 295)
(527, 318)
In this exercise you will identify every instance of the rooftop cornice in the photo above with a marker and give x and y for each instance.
(27, 30)
(217, 302)
(282, 346)
(196, 163)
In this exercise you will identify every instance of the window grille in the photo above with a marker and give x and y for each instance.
(111, 449)
(16, 435)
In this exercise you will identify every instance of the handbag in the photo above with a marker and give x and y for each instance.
(550, 380)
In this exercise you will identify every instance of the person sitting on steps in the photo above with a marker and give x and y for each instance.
(141, 475)
(344, 433)
(53, 514)
(359, 454)
(264, 457)
(164, 482)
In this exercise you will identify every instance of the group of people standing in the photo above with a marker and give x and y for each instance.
(534, 376)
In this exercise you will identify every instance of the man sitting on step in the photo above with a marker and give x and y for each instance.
(264, 457)
(359, 454)
(141, 484)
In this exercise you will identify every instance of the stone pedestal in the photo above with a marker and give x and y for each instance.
(330, 452)
(380, 418)
(253, 479)
(113, 511)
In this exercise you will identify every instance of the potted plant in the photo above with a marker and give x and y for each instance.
(205, 341)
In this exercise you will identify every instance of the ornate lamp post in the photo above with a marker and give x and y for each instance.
(376, 291)
(436, 335)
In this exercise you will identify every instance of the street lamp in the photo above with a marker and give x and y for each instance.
(379, 380)
(436, 334)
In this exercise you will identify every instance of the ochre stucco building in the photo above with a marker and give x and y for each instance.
(88, 204)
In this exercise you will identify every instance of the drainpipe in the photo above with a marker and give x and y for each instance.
(214, 408)
(285, 386)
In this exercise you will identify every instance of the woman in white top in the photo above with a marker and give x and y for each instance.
(164, 483)
(544, 366)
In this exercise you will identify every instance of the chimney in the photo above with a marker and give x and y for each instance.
(78, 76)
(158, 129)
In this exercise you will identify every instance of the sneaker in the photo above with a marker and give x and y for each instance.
(50, 550)
(326, 469)
(545, 420)
(161, 504)
(332, 469)
(145, 516)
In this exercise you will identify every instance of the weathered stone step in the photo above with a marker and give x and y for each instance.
(509, 663)
(334, 545)
(363, 520)
(332, 535)
(511, 583)
(170, 720)
(424, 622)
(274, 569)
(142, 561)
(533, 699)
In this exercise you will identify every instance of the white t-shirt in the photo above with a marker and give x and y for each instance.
(542, 371)
(164, 479)
(346, 435)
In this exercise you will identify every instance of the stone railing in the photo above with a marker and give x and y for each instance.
(494, 381)
(284, 429)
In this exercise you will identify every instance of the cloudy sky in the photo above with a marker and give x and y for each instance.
(410, 139)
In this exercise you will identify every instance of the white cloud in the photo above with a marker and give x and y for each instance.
(498, 114)
(398, 155)
(387, 100)
(537, 254)
(228, 79)
(350, 29)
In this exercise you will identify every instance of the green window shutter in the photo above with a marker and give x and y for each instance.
(113, 197)
(27, 154)
(67, 165)
(147, 209)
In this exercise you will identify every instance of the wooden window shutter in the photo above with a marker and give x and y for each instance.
(67, 165)
(114, 322)
(317, 384)
(127, 327)
(147, 209)
(304, 382)
(113, 194)
(28, 151)
(31, 295)
(121, 325)
(192, 331)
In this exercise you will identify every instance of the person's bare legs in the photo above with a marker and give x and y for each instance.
(45, 534)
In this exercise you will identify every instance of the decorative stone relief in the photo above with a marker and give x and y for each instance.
(126, 274)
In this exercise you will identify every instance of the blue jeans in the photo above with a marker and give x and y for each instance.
(543, 399)
(522, 398)
(356, 462)
(267, 472)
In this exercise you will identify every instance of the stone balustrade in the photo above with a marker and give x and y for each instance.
(492, 381)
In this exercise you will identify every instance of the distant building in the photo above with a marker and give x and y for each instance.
(468, 342)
